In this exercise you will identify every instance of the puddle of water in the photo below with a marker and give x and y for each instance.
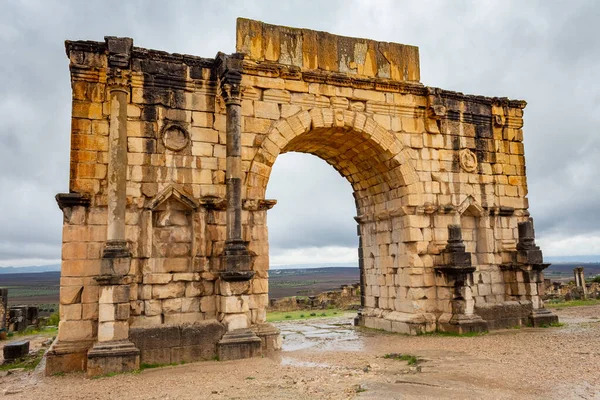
(333, 334)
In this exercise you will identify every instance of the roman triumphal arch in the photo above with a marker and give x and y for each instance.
(165, 247)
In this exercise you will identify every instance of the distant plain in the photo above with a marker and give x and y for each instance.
(42, 288)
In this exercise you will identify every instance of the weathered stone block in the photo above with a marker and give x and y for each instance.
(74, 331)
(183, 318)
(170, 290)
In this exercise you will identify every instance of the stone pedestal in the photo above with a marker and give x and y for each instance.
(542, 317)
(112, 357)
(458, 271)
(530, 260)
(269, 335)
(460, 323)
(65, 357)
(113, 353)
(240, 343)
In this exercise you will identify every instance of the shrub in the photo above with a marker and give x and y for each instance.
(410, 359)
(288, 316)
(312, 314)
(53, 319)
(301, 315)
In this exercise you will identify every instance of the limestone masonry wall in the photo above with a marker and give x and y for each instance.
(166, 220)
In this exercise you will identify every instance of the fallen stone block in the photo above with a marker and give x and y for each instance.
(16, 350)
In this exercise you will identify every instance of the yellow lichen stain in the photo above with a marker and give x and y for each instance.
(370, 65)
(270, 51)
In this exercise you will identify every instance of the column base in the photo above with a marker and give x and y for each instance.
(238, 344)
(462, 324)
(112, 357)
(542, 317)
(65, 357)
(269, 335)
(359, 320)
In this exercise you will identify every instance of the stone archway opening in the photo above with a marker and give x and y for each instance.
(312, 238)
(373, 161)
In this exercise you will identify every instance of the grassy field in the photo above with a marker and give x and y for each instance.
(308, 282)
(276, 316)
(32, 288)
(572, 303)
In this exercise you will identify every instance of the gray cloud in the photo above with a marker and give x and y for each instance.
(315, 204)
(542, 51)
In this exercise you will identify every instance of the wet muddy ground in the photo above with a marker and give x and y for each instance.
(330, 359)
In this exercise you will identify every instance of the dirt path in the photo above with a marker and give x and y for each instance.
(329, 359)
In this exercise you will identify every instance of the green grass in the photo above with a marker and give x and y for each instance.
(144, 366)
(32, 291)
(572, 303)
(28, 363)
(409, 358)
(275, 316)
(44, 330)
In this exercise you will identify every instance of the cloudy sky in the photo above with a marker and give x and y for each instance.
(545, 52)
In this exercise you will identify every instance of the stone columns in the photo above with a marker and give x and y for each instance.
(580, 280)
(236, 258)
(114, 352)
(116, 245)
(236, 273)
(459, 274)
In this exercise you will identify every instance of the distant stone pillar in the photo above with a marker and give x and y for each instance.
(113, 352)
(580, 280)
(3, 308)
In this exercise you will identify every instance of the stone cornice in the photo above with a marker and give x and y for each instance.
(276, 70)
(72, 200)
(88, 46)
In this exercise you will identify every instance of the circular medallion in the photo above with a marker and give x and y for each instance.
(339, 118)
(468, 160)
(175, 138)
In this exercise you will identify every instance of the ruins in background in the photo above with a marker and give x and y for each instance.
(16, 318)
(165, 246)
(3, 309)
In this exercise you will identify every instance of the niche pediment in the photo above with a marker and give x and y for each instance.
(471, 206)
(172, 194)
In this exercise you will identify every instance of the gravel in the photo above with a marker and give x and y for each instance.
(328, 359)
